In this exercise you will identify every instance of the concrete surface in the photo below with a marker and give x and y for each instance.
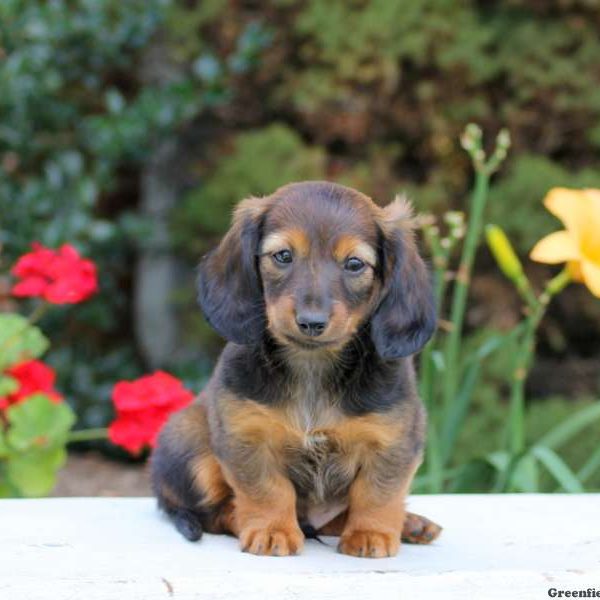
(505, 547)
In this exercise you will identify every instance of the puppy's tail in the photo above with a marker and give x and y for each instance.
(186, 521)
(174, 489)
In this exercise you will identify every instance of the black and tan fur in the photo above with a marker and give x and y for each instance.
(311, 420)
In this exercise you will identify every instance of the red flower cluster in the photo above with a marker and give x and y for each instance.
(58, 276)
(143, 406)
(33, 377)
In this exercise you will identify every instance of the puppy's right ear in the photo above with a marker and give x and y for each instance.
(229, 286)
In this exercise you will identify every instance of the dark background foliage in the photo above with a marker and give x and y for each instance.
(103, 101)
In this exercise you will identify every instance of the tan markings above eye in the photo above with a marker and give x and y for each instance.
(288, 239)
(299, 241)
(348, 246)
(274, 242)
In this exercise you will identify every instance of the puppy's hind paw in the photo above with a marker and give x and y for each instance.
(419, 530)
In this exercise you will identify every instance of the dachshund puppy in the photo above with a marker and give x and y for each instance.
(311, 421)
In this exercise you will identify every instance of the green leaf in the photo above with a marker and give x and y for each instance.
(8, 385)
(4, 450)
(516, 474)
(6, 489)
(557, 467)
(475, 475)
(571, 427)
(592, 464)
(34, 473)
(459, 408)
(437, 358)
(525, 477)
(490, 346)
(499, 460)
(504, 465)
(19, 340)
(38, 423)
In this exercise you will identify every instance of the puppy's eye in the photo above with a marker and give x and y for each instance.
(354, 265)
(283, 257)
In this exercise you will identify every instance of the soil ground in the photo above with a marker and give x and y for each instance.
(92, 474)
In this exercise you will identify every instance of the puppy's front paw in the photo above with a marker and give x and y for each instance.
(272, 541)
(370, 544)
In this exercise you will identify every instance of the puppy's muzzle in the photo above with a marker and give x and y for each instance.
(312, 324)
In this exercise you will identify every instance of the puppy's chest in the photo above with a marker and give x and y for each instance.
(320, 467)
(318, 461)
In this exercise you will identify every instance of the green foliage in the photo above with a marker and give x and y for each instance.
(33, 432)
(34, 474)
(386, 103)
(89, 378)
(484, 429)
(38, 423)
(259, 162)
(394, 39)
(8, 385)
(32, 447)
(52, 89)
(451, 368)
(19, 340)
(184, 25)
(73, 112)
(66, 128)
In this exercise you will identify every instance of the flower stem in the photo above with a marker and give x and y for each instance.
(87, 435)
(558, 283)
(522, 364)
(519, 376)
(39, 311)
(461, 287)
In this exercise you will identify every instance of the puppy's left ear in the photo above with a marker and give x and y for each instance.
(405, 318)
(229, 286)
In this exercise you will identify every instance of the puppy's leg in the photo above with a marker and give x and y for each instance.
(374, 526)
(187, 479)
(265, 519)
(417, 529)
(375, 518)
(253, 458)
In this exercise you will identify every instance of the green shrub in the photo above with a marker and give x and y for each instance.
(72, 113)
(386, 104)
(258, 162)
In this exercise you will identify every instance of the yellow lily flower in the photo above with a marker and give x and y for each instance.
(579, 244)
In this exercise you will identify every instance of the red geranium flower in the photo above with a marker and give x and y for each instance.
(58, 276)
(143, 406)
(33, 376)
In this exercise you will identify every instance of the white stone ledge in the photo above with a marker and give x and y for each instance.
(496, 547)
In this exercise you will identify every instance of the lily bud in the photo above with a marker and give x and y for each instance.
(503, 252)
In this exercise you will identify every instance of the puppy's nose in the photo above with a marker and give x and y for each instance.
(311, 323)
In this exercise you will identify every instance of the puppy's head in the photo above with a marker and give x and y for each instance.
(314, 262)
